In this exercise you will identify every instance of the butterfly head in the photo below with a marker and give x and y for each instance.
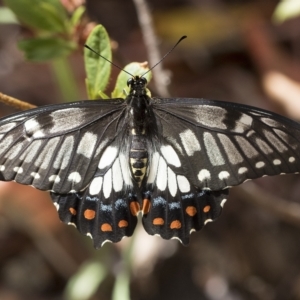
(137, 85)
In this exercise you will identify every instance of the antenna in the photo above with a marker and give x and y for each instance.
(88, 47)
(182, 38)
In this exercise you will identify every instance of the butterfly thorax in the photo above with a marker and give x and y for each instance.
(138, 103)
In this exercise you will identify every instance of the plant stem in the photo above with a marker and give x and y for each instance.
(65, 79)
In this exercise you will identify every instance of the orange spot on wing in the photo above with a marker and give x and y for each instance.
(206, 208)
(89, 214)
(158, 221)
(134, 208)
(175, 224)
(191, 210)
(73, 211)
(146, 206)
(106, 227)
(123, 223)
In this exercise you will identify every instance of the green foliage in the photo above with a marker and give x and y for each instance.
(41, 49)
(97, 68)
(49, 16)
(51, 24)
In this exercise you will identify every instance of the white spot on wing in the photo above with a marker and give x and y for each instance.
(161, 179)
(56, 205)
(33, 128)
(95, 186)
(54, 178)
(172, 182)
(66, 119)
(45, 156)
(101, 146)
(275, 141)
(14, 151)
(204, 175)
(224, 175)
(247, 148)
(35, 175)
(283, 135)
(170, 155)
(174, 143)
(231, 151)
(211, 116)
(5, 143)
(125, 169)
(264, 147)
(107, 184)
(259, 164)
(242, 170)
(108, 157)
(292, 159)
(18, 170)
(190, 142)
(6, 127)
(183, 184)
(29, 154)
(243, 124)
(270, 122)
(87, 144)
(75, 177)
(2, 168)
(64, 155)
(207, 221)
(223, 202)
(277, 162)
(212, 150)
(117, 176)
(153, 168)
(89, 235)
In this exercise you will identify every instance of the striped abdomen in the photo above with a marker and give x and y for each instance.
(138, 156)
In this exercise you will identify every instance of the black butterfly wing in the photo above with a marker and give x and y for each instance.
(223, 144)
(106, 210)
(205, 147)
(57, 147)
(74, 151)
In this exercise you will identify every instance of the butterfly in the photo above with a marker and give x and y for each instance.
(173, 160)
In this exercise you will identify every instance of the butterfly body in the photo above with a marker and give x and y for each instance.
(173, 160)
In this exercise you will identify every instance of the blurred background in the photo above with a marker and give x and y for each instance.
(239, 51)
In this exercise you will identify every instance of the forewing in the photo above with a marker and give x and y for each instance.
(58, 147)
(223, 144)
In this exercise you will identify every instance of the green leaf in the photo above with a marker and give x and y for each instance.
(286, 9)
(7, 16)
(41, 49)
(47, 15)
(136, 69)
(97, 68)
(102, 95)
(76, 16)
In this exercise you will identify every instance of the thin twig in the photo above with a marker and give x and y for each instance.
(150, 40)
(21, 105)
